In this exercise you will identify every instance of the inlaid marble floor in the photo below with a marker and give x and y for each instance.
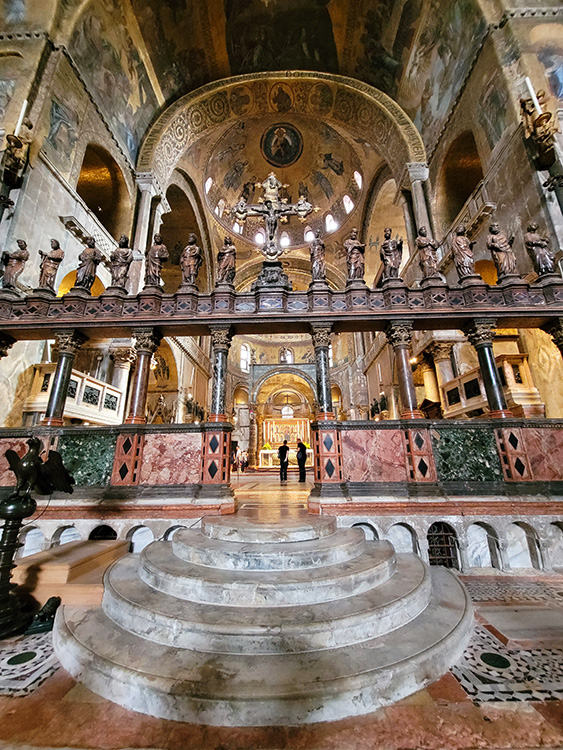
(263, 496)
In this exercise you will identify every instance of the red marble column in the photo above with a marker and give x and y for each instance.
(399, 335)
(147, 341)
(68, 343)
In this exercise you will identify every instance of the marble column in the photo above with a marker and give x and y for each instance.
(221, 343)
(463, 557)
(123, 360)
(418, 174)
(321, 343)
(68, 343)
(441, 353)
(430, 382)
(162, 208)
(480, 334)
(399, 335)
(149, 189)
(502, 553)
(180, 414)
(6, 343)
(555, 330)
(147, 341)
(252, 436)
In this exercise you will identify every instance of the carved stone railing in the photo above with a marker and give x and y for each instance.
(434, 307)
(84, 223)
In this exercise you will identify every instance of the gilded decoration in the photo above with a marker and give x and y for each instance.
(364, 110)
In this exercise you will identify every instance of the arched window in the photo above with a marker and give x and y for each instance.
(139, 537)
(169, 533)
(442, 545)
(208, 184)
(33, 541)
(64, 535)
(237, 228)
(402, 537)
(220, 208)
(370, 531)
(103, 532)
(284, 239)
(245, 357)
(102, 188)
(309, 234)
(260, 237)
(330, 223)
(287, 412)
(359, 179)
(330, 356)
(522, 546)
(286, 356)
(482, 547)
(348, 204)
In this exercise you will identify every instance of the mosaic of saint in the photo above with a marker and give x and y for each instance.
(281, 144)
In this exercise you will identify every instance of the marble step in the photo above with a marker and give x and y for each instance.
(240, 529)
(265, 690)
(191, 545)
(149, 613)
(162, 570)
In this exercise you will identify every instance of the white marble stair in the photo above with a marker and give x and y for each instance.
(243, 623)
(147, 612)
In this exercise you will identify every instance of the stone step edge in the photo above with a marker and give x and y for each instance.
(414, 600)
(311, 527)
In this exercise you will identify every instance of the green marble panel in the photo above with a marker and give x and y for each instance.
(89, 458)
(466, 455)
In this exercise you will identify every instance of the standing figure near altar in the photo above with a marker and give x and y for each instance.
(501, 250)
(427, 254)
(391, 254)
(120, 260)
(156, 256)
(190, 261)
(539, 251)
(49, 266)
(355, 260)
(462, 249)
(226, 262)
(318, 263)
(90, 258)
(14, 263)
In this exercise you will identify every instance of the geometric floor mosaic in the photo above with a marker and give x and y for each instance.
(488, 671)
(506, 591)
(25, 663)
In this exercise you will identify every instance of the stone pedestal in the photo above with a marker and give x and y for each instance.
(266, 624)
(272, 277)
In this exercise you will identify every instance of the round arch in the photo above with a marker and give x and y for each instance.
(459, 174)
(362, 109)
(280, 370)
(370, 531)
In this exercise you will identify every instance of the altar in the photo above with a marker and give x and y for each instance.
(277, 430)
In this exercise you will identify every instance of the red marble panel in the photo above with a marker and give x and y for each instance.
(7, 477)
(374, 456)
(544, 446)
(172, 458)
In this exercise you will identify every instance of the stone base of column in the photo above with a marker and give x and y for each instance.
(327, 451)
(78, 291)
(217, 418)
(499, 414)
(216, 463)
(135, 420)
(408, 414)
(52, 422)
(325, 416)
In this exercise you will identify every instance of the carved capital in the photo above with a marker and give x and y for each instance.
(440, 352)
(147, 340)
(221, 337)
(418, 171)
(555, 330)
(6, 343)
(123, 357)
(481, 332)
(399, 334)
(321, 335)
(69, 342)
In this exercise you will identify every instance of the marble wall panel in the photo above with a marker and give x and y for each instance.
(374, 456)
(7, 477)
(544, 446)
(173, 458)
(466, 455)
(89, 458)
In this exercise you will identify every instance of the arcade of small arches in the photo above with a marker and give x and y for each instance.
(466, 545)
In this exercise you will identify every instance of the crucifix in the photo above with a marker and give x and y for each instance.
(273, 210)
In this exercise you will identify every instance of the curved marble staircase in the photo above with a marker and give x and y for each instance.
(254, 624)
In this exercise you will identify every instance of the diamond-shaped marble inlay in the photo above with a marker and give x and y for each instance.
(520, 467)
(328, 442)
(419, 441)
(123, 471)
(423, 467)
(513, 440)
(330, 468)
(213, 443)
(127, 445)
(213, 469)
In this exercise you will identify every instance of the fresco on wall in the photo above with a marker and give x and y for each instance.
(178, 57)
(377, 65)
(114, 72)
(279, 35)
(492, 112)
(63, 129)
(14, 11)
(439, 63)
(551, 58)
(7, 87)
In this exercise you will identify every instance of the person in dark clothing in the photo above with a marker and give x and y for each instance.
(301, 459)
(283, 451)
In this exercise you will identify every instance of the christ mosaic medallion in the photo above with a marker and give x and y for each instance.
(281, 144)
